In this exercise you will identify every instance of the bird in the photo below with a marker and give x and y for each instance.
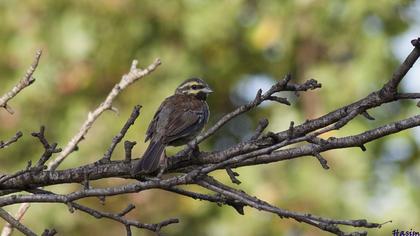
(178, 120)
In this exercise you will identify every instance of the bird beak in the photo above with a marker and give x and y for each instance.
(207, 90)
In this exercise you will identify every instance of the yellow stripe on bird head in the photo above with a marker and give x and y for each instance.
(193, 86)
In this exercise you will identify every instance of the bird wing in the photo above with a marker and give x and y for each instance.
(177, 117)
(153, 125)
(183, 124)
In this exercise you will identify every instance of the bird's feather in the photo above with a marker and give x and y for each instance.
(170, 124)
(151, 158)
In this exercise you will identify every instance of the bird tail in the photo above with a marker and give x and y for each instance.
(151, 158)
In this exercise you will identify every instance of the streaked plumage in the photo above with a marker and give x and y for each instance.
(179, 119)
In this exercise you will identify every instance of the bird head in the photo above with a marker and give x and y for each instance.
(195, 87)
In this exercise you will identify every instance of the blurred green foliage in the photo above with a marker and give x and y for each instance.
(238, 46)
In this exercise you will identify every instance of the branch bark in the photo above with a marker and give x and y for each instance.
(23, 83)
(13, 223)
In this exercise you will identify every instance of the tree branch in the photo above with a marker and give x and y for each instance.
(119, 217)
(15, 223)
(5, 144)
(326, 224)
(23, 83)
(117, 139)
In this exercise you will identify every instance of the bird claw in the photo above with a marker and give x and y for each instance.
(193, 150)
(196, 152)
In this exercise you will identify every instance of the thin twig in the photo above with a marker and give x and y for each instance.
(49, 232)
(319, 222)
(121, 219)
(23, 83)
(12, 222)
(218, 199)
(8, 229)
(128, 146)
(262, 124)
(322, 161)
(233, 176)
(49, 148)
(117, 139)
(4, 144)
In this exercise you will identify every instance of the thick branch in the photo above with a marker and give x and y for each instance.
(263, 156)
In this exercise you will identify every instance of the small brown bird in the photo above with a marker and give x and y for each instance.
(179, 119)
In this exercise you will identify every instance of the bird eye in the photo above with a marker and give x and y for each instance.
(194, 87)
